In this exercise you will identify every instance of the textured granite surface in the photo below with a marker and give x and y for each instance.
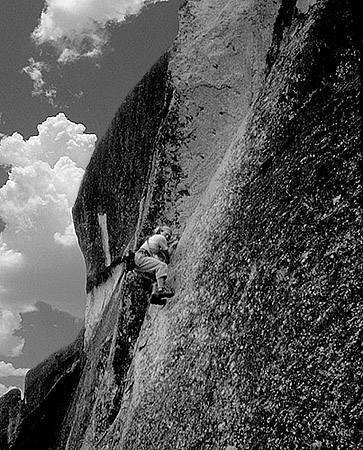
(10, 407)
(246, 140)
(261, 346)
(116, 176)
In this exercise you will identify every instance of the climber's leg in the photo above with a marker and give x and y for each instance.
(162, 291)
(158, 268)
(147, 264)
(151, 265)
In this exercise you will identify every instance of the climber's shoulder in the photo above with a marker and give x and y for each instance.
(160, 240)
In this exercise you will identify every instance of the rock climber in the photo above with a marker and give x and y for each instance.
(153, 257)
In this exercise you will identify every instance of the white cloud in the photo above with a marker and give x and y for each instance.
(44, 181)
(79, 29)
(8, 370)
(38, 246)
(68, 238)
(9, 258)
(35, 71)
(4, 389)
(57, 137)
(10, 345)
(35, 203)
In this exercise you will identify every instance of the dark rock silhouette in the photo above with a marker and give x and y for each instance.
(10, 412)
(245, 138)
(36, 421)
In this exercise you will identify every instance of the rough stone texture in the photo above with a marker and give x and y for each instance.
(116, 176)
(253, 153)
(49, 371)
(109, 357)
(216, 68)
(10, 407)
(116, 185)
(261, 346)
(49, 389)
(170, 135)
(97, 300)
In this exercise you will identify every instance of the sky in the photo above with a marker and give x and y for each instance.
(66, 67)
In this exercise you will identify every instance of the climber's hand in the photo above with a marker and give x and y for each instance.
(174, 243)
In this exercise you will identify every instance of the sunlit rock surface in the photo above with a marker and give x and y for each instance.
(245, 138)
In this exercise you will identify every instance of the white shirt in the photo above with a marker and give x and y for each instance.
(154, 244)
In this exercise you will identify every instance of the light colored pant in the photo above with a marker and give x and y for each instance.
(148, 264)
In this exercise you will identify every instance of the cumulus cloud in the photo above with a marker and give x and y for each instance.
(4, 389)
(68, 238)
(57, 137)
(8, 370)
(35, 71)
(79, 29)
(9, 258)
(39, 258)
(10, 345)
(46, 173)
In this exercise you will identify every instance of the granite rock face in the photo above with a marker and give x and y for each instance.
(38, 420)
(118, 172)
(10, 407)
(245, 138)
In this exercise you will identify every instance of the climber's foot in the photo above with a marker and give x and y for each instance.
(156, 300)
(164, 293)
(159, 297)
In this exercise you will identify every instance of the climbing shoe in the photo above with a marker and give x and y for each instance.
(164, 293)
(156, 300)
(159, 297)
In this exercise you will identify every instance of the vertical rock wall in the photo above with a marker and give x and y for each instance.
(10, 410)
(260, 347)
(216, 68)
(109, 357)
(38, 421)
(245, 140)
(107, 209)
(118, 171)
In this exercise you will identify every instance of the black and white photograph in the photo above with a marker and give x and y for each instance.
(181, 228)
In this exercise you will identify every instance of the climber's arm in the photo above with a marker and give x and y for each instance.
(172, 247)
(165, 250)
(165, 256)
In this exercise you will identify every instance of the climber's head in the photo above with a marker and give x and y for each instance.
(165, 231)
